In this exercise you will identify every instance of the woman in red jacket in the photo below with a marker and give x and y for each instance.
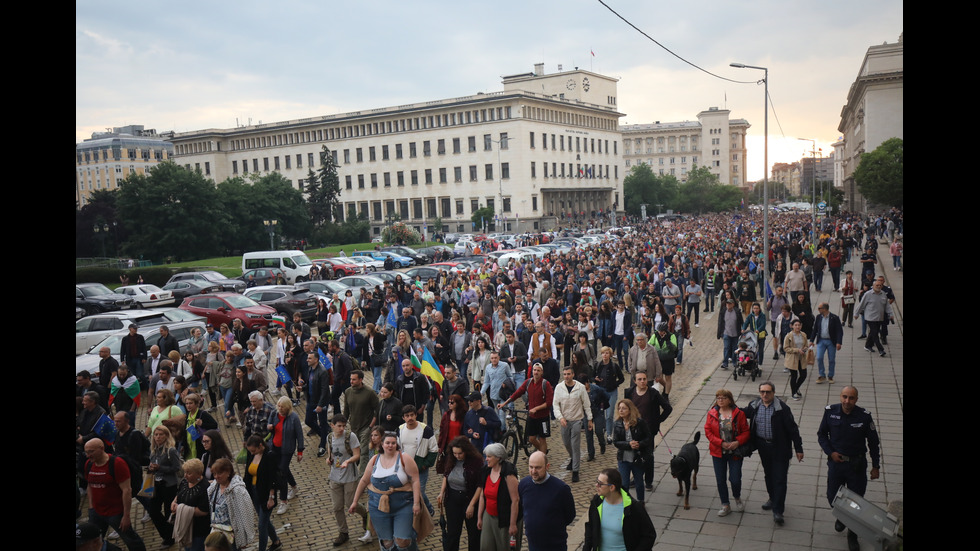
(727, 429)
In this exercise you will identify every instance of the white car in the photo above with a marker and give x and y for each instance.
(147, 295)
(92, 329)
(463, 247)
(369, 264)
(180, 330)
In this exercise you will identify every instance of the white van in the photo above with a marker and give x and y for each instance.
(295, 265)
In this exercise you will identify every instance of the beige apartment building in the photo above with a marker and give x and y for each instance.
(674, 148)
(874, 112)
(544, 147)
(106, 159)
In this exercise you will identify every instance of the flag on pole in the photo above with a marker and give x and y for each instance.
(105, 428)
(284, 377)
(427, 366)
(279, 320)
(592, 52)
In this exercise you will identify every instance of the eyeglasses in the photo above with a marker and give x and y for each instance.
(765, 392)
(597, 483)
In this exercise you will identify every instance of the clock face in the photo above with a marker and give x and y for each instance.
(585, 84)
(570, 85)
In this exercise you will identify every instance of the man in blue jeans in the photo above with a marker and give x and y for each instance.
(828, 335)
(730, 327)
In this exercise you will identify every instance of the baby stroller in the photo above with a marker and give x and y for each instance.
(746, 363)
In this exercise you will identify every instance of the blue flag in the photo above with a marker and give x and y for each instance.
(105, 427)
(324, 359)
(284, 377)
(194, 433)
(769, 293)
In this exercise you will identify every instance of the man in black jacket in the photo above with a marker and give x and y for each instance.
(654, 409)
(775, 434)
(319, 400)
(412, 388)
(167, 342)
(342, 367)
(132, 351)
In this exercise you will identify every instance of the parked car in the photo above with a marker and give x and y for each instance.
(399, 260)
(286, 299)
(221, 308)
(447, 252)
(323, 287)
(386, 275)
(423, 272)
(261, 276)
(342, 266)
(92, 329)
(369, 264)
(418, 256)
(190, 287)
(180, 330)
(96, 298)
(356, 282)
(147, 295)
(229, 285)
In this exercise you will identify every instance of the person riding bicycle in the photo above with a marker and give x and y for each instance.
(540, 396)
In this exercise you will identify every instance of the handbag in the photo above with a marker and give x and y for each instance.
(811, 356)
(422, 523)
(441, 463)
(148, 486)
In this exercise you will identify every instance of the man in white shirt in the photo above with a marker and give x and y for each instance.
(572, 406)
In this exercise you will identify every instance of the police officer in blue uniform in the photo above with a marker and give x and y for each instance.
(842, 434)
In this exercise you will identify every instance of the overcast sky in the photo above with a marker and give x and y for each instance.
(193, 65)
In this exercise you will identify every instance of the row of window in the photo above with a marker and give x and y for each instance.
(671, 149)
(117, 155)
(694, 160)
(558, 170)
(412, 209)
(341, 132)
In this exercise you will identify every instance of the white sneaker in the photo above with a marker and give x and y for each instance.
(739, 506)
(146, 517)
(292, 492)
(725, 510)
(113, 535)
(367, 537)
(283, 507)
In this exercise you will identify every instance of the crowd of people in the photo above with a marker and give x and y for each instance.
(584, 342)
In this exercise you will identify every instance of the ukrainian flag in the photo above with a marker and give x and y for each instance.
(428, 367)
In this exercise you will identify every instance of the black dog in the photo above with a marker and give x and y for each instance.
(684, 467)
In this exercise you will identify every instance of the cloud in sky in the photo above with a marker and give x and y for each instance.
(197, 65)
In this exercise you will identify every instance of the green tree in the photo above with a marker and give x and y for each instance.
(641, 186)
(99, 210)
(323, 190)
(261, 197)
(880, 176)
(172, 212)
(695, 195)
(482, 216)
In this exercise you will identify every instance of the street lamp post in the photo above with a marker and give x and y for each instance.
(270, 227)
(765, 173)
(813, 186)
(500, 179)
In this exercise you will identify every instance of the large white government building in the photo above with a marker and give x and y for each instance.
(674, 148)
(545, 146)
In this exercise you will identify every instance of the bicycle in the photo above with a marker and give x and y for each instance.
(513, 438)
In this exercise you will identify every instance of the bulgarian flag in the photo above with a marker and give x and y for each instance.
(279, 320)
(131, 387)
(427, 366)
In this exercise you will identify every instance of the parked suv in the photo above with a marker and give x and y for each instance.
(221, 308)
(210, 276)
(286, 299)
(418, 257)
(95, 298)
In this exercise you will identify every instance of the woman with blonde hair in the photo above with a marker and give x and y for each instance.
(633, 439)
(192, 492)
(232, 512)
(164, 464)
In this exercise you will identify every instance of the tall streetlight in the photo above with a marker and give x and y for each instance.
(765, 172)
(270, 227)
(500, 180)
(813, 187)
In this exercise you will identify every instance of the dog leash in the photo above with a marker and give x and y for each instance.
(663, 439)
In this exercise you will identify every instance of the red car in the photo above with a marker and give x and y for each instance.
(342, 267)
(221, 308)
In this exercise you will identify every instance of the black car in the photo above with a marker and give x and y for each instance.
(261, 276)
(210, 276)
(423, 273)
(446, 252)
(96, 298)
(286, 299)
(418, 256)
(189, 287)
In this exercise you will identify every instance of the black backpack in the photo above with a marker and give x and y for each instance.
(136, 482)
